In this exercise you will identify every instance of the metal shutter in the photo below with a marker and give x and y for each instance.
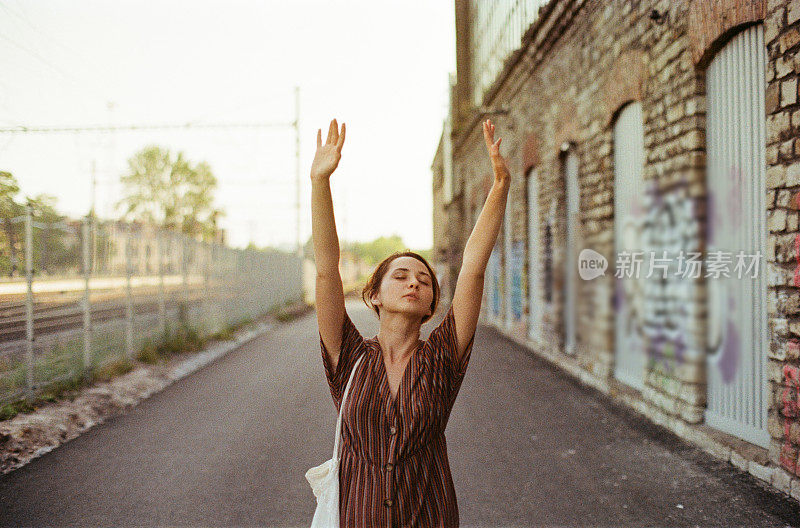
(736, 144)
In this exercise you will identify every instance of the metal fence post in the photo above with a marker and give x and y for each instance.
(29, 301)
(87, 335)
(129, 296)
(185, 271)
(206, 303)
(162, 308)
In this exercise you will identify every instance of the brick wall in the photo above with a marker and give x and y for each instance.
(782, 36)
(580, 66)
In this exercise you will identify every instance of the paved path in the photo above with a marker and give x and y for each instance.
(230, 444)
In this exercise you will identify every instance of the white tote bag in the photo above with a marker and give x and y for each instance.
(324, 479)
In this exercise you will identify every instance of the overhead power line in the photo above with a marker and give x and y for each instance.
(23, 129)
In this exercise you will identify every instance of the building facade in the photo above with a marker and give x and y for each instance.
(650, 245)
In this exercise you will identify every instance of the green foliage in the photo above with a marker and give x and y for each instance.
(370, 252)
(168, 190)
(289, 310)
(177, 339)
(11, 409)
(55, 248)
(111, 370)
(148, 353)
(377, 250)
(11, 234)
(183, 339)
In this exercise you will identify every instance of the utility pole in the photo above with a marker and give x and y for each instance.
(111, 144)
(94, 187)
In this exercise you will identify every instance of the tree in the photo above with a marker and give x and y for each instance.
(375, 251)
(56, 248)
(170, 191)
(12, 231)
(371, 252)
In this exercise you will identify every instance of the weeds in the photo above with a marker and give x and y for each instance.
(176, 340)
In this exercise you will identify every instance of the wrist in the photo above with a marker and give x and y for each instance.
(502, 178)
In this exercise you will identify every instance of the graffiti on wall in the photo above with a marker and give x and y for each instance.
(517, 265)
(628, 291)
(548, 253)
(495, 284)
(790, 408)
(796, 279)
(724, 214)
(670, 225)
(518, 323)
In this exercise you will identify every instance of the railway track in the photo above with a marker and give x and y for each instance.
(62, 311)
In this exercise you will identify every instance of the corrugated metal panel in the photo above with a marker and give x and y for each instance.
(630, 356)
(496, 30)
(736, 136)
(535, 301)
(571, 283)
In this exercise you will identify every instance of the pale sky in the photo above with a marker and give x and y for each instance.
(380, 66)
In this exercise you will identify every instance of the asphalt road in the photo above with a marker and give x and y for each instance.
(230, 445)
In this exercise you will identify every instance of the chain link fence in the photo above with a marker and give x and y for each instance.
(77, 295)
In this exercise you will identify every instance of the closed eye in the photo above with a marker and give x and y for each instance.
(401, 277)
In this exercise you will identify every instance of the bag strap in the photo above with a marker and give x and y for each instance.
(341, 408)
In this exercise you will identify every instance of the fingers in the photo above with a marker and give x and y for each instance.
(341, 139)
(488, 133)
(335, 138)
(331, 130)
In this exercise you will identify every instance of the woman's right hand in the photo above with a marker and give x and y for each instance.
(328, 155)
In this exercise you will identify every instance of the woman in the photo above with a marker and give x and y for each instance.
(394, 469)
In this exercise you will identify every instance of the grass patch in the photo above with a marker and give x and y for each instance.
(288, 311)
(226, 334)
(65, 389)
(111, 370)
(178, 339)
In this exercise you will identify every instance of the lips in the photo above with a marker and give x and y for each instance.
(411, 296)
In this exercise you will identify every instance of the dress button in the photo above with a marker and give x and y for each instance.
(393, 430)
(388, 502)
(389, 466)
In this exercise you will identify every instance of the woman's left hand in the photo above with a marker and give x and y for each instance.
(499, 166)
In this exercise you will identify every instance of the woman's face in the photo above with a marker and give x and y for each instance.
(407, 277)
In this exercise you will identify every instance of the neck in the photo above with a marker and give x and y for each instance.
(398, 336)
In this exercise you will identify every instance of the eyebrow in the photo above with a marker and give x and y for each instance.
(406, 269)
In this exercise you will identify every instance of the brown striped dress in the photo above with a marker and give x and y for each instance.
(394, 470)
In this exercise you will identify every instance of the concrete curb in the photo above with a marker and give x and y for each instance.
(207, 356)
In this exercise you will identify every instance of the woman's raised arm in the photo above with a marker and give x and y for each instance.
(329, 289)
(468, 292)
